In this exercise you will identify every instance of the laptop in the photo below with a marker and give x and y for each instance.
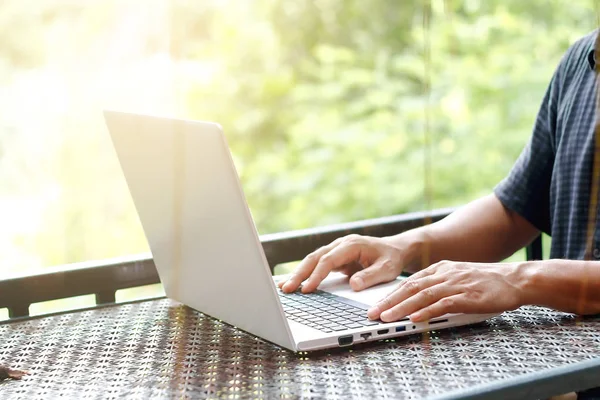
(207, 251)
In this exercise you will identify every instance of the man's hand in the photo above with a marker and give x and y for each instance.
(367, 259)
(453, 287)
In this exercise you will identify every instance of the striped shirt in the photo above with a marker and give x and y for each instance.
(550, 184)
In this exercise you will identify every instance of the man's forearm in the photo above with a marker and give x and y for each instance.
(565, 285)
(481, 231)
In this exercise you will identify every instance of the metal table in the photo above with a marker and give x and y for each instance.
(162, 349)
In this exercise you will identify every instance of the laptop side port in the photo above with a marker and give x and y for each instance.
(382, 331)
(365, 335)
(345, 340)
(439, 321)
(400, 328)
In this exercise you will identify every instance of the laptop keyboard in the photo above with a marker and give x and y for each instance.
(325, 311)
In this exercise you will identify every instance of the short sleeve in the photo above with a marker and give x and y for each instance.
(526, 189)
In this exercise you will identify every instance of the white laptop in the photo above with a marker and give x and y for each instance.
(207, 250)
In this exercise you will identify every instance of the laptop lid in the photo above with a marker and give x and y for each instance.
(196, 220)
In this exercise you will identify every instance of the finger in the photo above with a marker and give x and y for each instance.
(423, 299)
(283, 280)
(403, 292)
(341, 255)
(431, 270)
(350, 269)
(306, 267)
(451, 304)
(379, 272)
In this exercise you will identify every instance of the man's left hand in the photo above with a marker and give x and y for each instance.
(453, 287)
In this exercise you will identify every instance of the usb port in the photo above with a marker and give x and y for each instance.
(400, 328)
(382, 331)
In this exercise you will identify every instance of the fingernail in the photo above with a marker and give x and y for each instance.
(304, 287)
(372, 313)
(384, 315)
(358, 282)
(416, 317)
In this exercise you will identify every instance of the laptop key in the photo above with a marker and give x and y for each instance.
(368, 322)
(353, 325)
(324, 329)
(329, 307)
(338, 327)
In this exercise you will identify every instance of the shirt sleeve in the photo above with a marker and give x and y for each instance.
(526, 189)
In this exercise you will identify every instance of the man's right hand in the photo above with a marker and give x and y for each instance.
(368, 260)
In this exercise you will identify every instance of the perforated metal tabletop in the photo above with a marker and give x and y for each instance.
(161, 349)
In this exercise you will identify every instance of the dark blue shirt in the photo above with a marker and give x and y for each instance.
(550, 184)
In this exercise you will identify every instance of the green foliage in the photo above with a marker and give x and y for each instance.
(332, 127)
(336, 110)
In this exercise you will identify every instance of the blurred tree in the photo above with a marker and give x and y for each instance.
(322, 102)
(328, 123)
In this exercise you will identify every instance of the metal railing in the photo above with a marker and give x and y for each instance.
(104, 278)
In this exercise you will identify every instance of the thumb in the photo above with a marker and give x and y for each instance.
(378, 272)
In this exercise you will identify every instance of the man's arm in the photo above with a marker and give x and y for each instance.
(482, 231)
(565, 285)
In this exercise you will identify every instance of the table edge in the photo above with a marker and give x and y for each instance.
(540, 384)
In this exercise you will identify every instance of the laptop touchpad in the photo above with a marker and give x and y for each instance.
(337, 283)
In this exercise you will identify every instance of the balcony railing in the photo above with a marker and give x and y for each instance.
(104, 278)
